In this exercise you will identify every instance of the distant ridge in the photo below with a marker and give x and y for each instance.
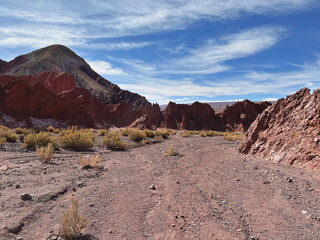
(61, 58)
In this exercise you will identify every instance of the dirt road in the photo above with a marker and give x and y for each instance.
(210, 192)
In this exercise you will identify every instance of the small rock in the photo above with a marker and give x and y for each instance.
(26, 197)
(110, 231)
(19, 238)
(266, 182)
(304, 212)
(290, 179)
(316, 140)
(239, 230)
(152, 187)
(18, 186)
(80, 184)
(173, 225)
(237, 179)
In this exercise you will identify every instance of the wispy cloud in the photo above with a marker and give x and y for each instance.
(97, 19)
(105, 68)
(212, 56)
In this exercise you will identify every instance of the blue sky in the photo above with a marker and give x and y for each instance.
(183, 51)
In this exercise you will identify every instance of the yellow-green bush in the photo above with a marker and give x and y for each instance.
(202, 134)
(36, 140)
(45, 153)
(50, 129)
(150, 133)
(72, 221)
(8, 134)
(113, 141)
(137, 135)
(233, 136)
(2, 141)
(77, 140)
(126, 131)
(92, 162)
(171, 151)
(20, 130)
(165, 134)
(102, 132)
(186, 134)
(57, 131)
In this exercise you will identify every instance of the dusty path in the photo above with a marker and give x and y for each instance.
(211, 192)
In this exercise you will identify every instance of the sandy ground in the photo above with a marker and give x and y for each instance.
(210, 192)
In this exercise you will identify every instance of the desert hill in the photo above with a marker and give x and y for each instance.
(61, 58)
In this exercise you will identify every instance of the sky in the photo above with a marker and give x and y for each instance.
(178, 50)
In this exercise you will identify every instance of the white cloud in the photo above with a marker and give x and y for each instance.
(93, 19)
(106, 68)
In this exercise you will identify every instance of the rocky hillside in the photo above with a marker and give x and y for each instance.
(288, 132)
(61, 58)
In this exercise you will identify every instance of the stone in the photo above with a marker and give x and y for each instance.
(26, 197)
(152, 187)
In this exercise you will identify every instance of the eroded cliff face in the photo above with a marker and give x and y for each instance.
(288, 131)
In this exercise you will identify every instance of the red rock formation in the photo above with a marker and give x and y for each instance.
(192, 117)
(288, 132)
(239, 116)
(57, 82)
(24, 98)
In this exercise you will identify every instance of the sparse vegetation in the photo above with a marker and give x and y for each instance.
(186, 134)
(8, 134)
(50, 129)
(57, 131)
(91, 162)
(20, 130)
(171, 151)
(113, 141)
(45, 153)
(77, 140)
(37, 140)
(150, 133)
(165, 134)
(137, 135)
(143, 142)
(72, 221)
(233, 136)
(125, 132)
(202, 134)
(102, 132)
(2, 141)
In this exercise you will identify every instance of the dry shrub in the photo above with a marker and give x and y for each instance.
(150, 133)
(137, 135)
(171, 151)
(92, 162)
(186, 134)
(2, 141)
(125, 132)
(50, 129)
(165, 134)
(57, 131)
(143, 142)
(20, 130)
(102, 132)
(158, 138)
(45, 153)
(8, 134)
(233, 136)
(112, 141)
(77, 140)
(37, 140)
(72, 221)
(202, 134)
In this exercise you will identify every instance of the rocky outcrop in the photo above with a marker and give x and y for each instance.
(192, 117)
(57, 82)
(239, 116)
(61, 58)
(21, 100)
(288, 131)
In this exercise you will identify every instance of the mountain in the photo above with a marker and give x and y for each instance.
(60, 58)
